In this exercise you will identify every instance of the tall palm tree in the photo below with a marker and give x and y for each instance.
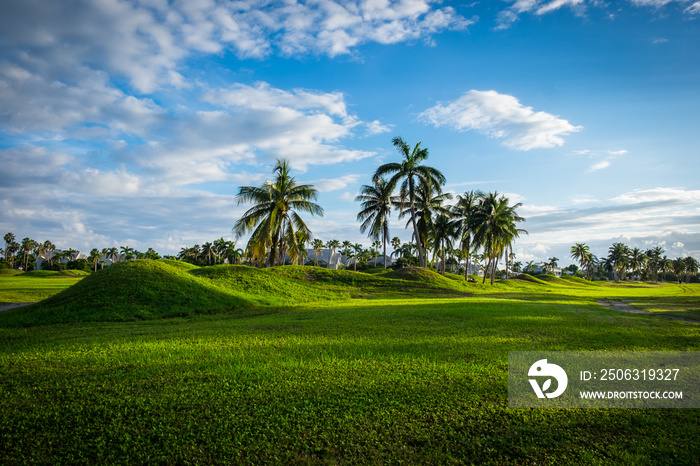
(582, 253)
(347, 246)
(410, 174)
(654, 261)
(357, 249)
(429, 204)
(49, 249)
(619, 254)
(463, 214)
(273, 219)
(637, 259)
(332, 245)
(9, 239)
(679, 268)
(443, 232)
(691, 268)
(94, 257)
(317, 244)
(376, 207)
(207, 249)
(496, 228)
(27, 246)
(39, 250)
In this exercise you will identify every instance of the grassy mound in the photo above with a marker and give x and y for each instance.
(579, 281)
(179, 264)
(10, 272)
(529, 278)
(135, 290)
(275, 286)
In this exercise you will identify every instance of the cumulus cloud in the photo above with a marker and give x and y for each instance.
(146, 41)
(501, 116)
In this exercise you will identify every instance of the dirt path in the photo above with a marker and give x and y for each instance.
(8, 306)
(624, 307)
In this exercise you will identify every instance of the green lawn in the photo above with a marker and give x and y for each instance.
(390, 379)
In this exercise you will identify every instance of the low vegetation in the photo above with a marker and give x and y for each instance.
(164, 362)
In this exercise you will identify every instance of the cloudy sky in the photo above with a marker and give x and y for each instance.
(135, 122)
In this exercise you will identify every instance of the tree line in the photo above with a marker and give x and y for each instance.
(624, 262)
(26, 253)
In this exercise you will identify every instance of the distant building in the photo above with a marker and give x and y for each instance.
(543, 267)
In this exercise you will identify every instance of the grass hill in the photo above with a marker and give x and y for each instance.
(145, 289)
(134, 290)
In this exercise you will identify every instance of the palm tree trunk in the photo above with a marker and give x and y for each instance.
(416, 236)
(486, 269)
(384, 235)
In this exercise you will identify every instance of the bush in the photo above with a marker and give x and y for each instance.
(406, 262)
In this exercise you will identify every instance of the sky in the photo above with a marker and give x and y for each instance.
(134, 123)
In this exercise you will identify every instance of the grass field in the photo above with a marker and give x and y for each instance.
(308, 366)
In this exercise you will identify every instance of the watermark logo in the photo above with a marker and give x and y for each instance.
(543, 369)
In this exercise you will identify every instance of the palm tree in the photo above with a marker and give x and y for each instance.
(582, 252)
(637, 259)
(654, 261)
(39, 250)
(357, 249)
(463, 213)
(207, 250)
(317, 244)
(347, 246)
(443, 232)
(553, 262)
(273, 220)
(114, 254)
(410, 174)
(9, 239)
(94, 257)
(127, 252)
(428, 205)
(332, 245)
(619, 254)
(679, 268)
(49, 249)
(691, 268)
(27, 246)
(495, 228)
(376, 207)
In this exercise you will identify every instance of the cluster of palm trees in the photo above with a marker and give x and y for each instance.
(212, 253)
(623, 261)
(476, 221)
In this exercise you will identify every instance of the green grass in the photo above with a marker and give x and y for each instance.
(299, 371)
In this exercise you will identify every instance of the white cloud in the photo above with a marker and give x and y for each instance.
(598, 166)
(334, 184)
(665, 195)
(693, 9)
(512, 13)
(538, 7)
(501, 116)
(376, 127)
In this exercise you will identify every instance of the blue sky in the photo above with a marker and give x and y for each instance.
(134, 123)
